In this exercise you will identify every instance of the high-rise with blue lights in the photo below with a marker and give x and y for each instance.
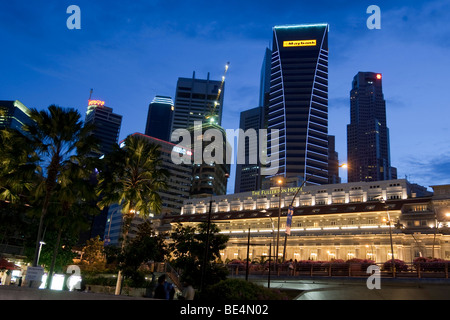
(298, 101)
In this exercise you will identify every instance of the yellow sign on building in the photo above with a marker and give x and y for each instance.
(299, 43)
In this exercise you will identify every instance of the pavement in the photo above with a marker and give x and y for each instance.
(25, 293)
(357, 289)
(308, 289)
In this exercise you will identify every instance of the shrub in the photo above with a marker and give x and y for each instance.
(400, 265)
(430, 264)
(238, 289)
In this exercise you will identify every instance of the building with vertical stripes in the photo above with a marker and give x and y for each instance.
(298, 101)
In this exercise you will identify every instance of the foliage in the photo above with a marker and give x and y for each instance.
(60, 140)
(144, 248)
(400, 265)
(132, 177)
(65, 255)
(238, 289)
(430, 264)
(188, 252)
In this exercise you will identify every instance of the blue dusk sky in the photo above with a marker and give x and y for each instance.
(130, 51)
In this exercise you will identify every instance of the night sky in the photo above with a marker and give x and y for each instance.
(128, 52)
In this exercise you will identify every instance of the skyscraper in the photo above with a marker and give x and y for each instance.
(368, 153)
(159, 118)
(298, 105)
(333, 161)
(248, 176)
(107, 124)
(13, 115)
(210, 177)
(195, 99)
(264, 85)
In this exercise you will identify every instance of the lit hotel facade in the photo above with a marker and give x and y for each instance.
(336, 221)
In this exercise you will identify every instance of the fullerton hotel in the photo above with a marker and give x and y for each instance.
(336, 221)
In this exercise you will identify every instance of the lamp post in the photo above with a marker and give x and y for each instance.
(227, 175)
(390, 236)
(280, 182)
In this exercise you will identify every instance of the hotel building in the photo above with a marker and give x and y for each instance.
(340, 221)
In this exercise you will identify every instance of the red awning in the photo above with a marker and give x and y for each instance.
(5, 264)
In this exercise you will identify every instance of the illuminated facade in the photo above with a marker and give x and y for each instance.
(13, 115)
(368, 151)
(209, 177)
(194, 100)
(298, 100)
(340, 221)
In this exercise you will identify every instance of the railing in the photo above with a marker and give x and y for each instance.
(173, 275)
(406, 270)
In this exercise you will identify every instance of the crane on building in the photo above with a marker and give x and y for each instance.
(213, 109)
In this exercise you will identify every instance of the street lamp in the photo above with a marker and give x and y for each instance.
(227, 175)
(41, 243)
(388, 222)
(279, 182)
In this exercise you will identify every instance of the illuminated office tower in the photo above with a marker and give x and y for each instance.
(298, 101)
(107, 125)
(13, 115)
(159, 118)
(368, 153)
(194, 100)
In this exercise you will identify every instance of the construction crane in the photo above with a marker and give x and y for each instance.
(212, 112)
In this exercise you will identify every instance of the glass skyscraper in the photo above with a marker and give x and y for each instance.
(13, 115)
(368, 153)
(248, 175)
(298, 101)
(159, 118)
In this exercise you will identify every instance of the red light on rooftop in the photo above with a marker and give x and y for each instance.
(378, 76)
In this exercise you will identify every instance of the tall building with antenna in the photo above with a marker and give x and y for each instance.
(198, 100)
(106, 125)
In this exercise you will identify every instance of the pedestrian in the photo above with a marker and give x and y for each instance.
(291, 268)
(164, 290)
(189, 291)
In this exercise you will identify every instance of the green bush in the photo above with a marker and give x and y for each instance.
(237, 289)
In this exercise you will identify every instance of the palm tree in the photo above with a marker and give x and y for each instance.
(18, 167)
(73, 200)
(57, 135)
(132, 177)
